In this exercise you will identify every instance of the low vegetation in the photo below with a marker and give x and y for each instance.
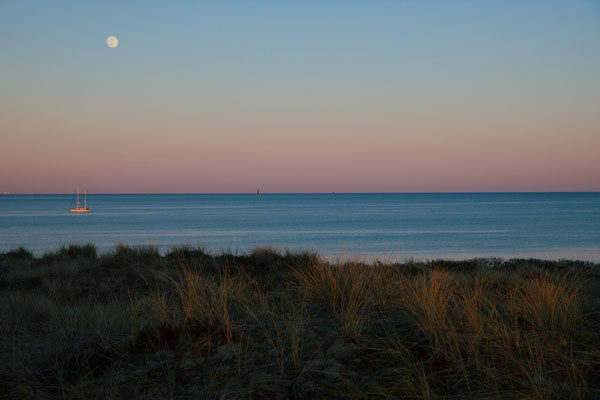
(134, 323)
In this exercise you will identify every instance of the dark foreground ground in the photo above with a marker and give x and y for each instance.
(133, 324)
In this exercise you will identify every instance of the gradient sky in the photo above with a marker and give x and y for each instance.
(310, 96)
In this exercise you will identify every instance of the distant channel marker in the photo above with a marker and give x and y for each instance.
(112, 42)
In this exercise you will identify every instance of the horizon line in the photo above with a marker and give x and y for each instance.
(278, 193)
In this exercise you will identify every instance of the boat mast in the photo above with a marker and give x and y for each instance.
(85, 200)
(78, 197)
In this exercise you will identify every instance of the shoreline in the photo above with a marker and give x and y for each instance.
(340, 257)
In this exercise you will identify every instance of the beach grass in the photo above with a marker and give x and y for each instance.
(134, 323)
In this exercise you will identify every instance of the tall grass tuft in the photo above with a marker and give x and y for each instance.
(20, 253)
(282, 324)
(552, 306)
(124, 255)
(86, 252)
(209, 300)
(409, 377)
(346, 290)
(428, 298)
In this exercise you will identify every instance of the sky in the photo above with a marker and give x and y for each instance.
(307, 96)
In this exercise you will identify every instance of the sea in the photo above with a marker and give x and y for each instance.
(386, 226)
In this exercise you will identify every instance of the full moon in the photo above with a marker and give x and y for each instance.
(112, 42)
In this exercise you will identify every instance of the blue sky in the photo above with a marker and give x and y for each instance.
(487, 95)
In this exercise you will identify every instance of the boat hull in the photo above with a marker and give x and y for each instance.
(79, 210)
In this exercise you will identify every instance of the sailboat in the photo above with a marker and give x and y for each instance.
(85, 208)
(257, 192)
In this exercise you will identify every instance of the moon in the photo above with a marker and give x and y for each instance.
(112, 42)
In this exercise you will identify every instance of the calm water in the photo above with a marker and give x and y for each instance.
(546, 225)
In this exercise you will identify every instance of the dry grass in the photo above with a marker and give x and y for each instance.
(428, 298)
(134, 324)
(209, 300)
(283, 327)
(348, 291)
(551, 305)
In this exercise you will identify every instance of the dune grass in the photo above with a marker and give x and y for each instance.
(133, 323)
